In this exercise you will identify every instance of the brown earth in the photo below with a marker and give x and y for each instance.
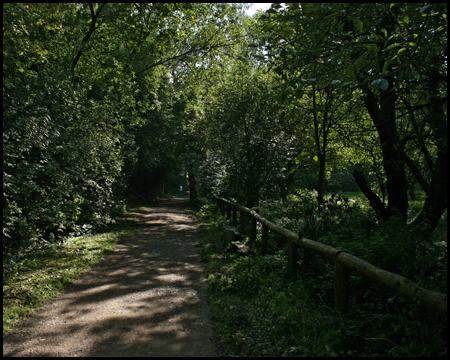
(145, 298)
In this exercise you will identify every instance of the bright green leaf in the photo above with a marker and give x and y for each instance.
(300, 158)
(405, 20)
(393, 46)
(400, 51)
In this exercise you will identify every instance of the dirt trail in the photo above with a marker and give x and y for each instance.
(145, 298)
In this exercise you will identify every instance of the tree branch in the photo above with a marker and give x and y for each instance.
(188, 52)
(94, 17)
(373, 198)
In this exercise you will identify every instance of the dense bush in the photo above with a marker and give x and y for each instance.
(301, 212)
(60, 162)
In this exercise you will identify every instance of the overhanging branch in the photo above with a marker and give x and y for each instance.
(94, 17)
(186, 53)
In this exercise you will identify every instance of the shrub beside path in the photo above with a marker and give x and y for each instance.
(145, 298)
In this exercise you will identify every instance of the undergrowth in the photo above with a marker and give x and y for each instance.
(258, 310)
(33, 275)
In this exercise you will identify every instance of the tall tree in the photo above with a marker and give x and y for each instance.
(77, 81)
(382, 50)
(245, 133)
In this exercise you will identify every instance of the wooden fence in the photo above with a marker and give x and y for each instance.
(432, 301)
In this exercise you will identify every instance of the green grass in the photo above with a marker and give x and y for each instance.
(353, 195)
(42, 275)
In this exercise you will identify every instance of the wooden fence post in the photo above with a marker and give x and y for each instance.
(253, 229)
(228, 211)
(292, 257)
(344, 263)
(341, 287)
(242, 219)
(264, 238)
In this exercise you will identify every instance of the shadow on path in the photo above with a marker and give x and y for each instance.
(145, 298)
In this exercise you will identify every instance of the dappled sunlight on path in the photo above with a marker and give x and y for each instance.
(145, 298)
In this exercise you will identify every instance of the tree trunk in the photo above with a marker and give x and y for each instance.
(436, 199)
(321, 180)
(383, 117)
(192, 185)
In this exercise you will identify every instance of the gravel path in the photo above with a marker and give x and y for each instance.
(145, 298)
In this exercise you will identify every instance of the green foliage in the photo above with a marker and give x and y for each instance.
(58, 171)
(106, 100)
(260, 311)
(379, 51)
(247, 142)
(301, 212)
(61, 150)
(78, 82)
(349, 224)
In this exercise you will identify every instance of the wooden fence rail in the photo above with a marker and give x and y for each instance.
(432, 301)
